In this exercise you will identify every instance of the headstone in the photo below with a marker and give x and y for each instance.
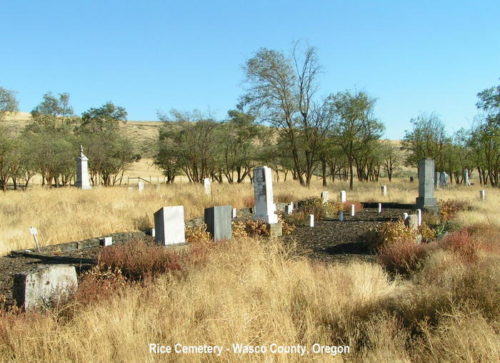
(234, 212)
(263, 193)
(341, 216)
(153, 232)
(419, 217)
(353, 210)
(275, 229)
(383, 190)
(482, 194)
(380, 208)
(106, 241)
(169, 225)
(207, 186)
(324, 197)
(140, 185)
(466, 178)
(343, 196)
(436, 180)
(426, 198)
(412, 222)
(311, 220)
(405, 216)
(443, 179)
(218, 221)
(289, 208)
(44, 285)
(82, 171)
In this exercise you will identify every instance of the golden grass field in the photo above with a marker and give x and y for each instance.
(254, 291)
(68, 214)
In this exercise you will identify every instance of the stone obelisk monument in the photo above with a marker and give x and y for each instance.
(82, 171)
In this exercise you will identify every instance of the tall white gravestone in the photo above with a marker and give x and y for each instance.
(343, 196)
(263, 192)
(82, 171)
(207, 186)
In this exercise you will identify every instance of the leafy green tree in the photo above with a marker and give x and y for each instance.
(109, 151)
(8, 102)
(355, 130)
(428, 139)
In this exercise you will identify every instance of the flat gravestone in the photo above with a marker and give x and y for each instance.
(218, 221)
(169, 225)
(426, 199)
(44, 286)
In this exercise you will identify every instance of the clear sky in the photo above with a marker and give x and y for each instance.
(413, 56)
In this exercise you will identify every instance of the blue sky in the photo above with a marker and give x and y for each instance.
(414, 57)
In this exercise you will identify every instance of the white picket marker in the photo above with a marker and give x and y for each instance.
(353, 210)
(380, 207)
(34, 233)
(419, 217)
(311, 220)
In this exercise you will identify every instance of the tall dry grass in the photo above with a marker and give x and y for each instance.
(67, 214)
(255, 292)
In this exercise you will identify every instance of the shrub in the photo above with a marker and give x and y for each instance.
(198, 235)
(138, 260)
(462, 244)
(390, 232)
(98, 284)
(428, 234)
(403, 256)
(448, 209)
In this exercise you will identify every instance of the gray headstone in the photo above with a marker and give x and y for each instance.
(383, 190)
(324, 197)
(82, 171)
(426, 175)
(44, 285)
(169, 225)
(443, 179)
(466, 178)
(263, 192)
(218, 221)
(482, 194)
(436, 179)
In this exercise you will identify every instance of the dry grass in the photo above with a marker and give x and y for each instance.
(254, 292)
(68, 214)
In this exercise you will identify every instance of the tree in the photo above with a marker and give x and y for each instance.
(391, 155)
(282, 93)
(188, 141)
(427, 140)
(355, 129)
(108, 149)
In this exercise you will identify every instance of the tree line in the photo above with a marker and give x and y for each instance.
(50, 142)
(279, 121)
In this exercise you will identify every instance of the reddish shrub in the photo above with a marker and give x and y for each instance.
(403, 256)
(463, 244)
(139, 260)
(96, 285)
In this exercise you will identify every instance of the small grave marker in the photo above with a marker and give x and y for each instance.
(324, 197)
(380, 208)
(383, 190)
(311, 220)
(343, 196)
(353, 210)
(482, 194)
